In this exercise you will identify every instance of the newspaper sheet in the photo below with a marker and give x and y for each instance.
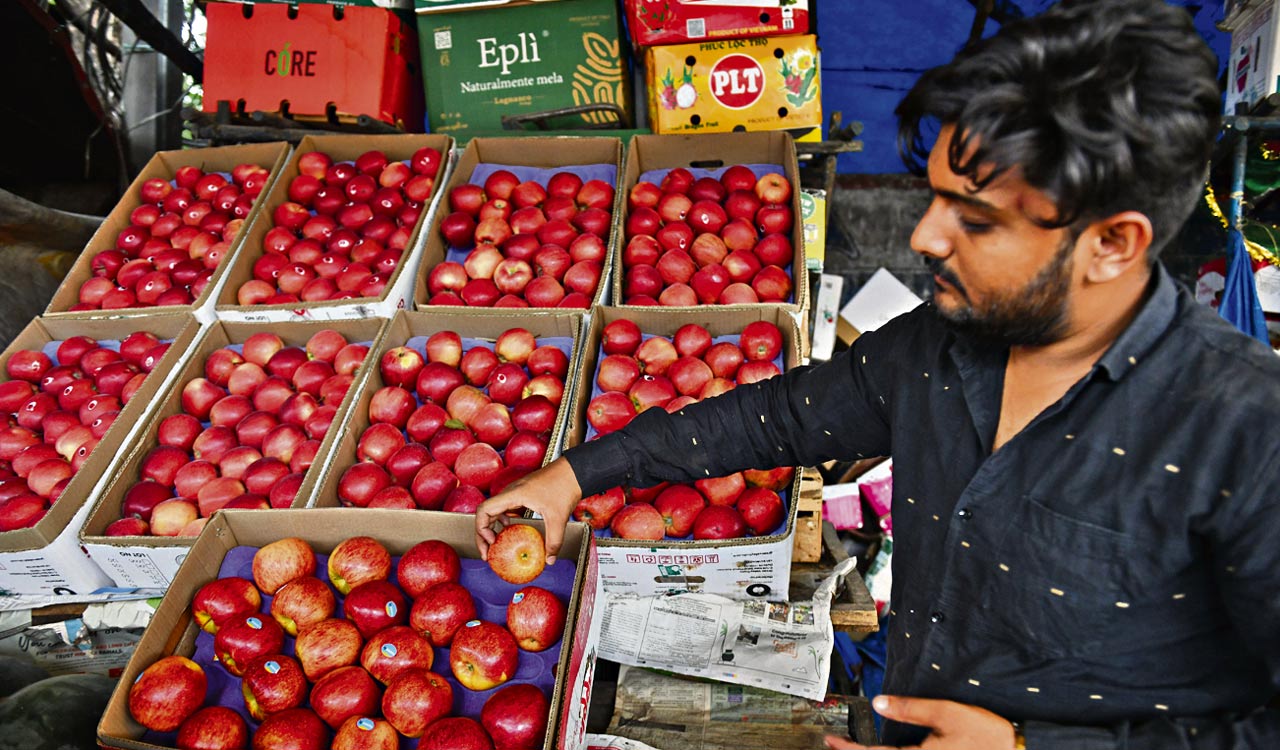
(779, 646)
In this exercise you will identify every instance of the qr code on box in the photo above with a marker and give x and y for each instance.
(695, 28)
(444, 39)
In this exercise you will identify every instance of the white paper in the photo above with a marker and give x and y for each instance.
(610, 742)
(880, 300)
(824, 322)
(779, 646)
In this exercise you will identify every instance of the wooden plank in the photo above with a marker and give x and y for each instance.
(808, 536)
(852, 609)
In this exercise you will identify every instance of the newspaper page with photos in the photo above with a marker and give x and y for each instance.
(673, 713)
(779, 646)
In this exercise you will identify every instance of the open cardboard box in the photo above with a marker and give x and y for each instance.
(714, 151)
(542, 153)
(399, 289)
(47, 557)
(747, 568)
(173, 629)
(152, 561)
(163, 165)
(408, 325)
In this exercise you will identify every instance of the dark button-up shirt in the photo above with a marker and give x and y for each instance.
(1110, 576)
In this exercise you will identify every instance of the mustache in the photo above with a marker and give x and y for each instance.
(937, 268)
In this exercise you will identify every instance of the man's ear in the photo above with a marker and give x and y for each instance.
(1116, 244)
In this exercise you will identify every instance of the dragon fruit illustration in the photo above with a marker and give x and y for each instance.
(668, 93)
(654, 14)
(686, 95)
(798, 73)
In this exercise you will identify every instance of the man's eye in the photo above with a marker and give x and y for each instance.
(975, 227)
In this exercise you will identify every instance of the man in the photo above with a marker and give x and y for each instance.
(1087, 463)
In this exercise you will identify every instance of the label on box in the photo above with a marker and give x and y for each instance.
(722, 86)
(582, 661)
(60, 567)
(140, 567)
(813, 222)
(1251, 72)
(70, 648)
(654, 22)
(740, 571)
(479, 65)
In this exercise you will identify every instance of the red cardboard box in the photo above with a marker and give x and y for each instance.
(362, 61)
(652, 22)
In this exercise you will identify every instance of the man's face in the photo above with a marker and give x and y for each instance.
(998, 275)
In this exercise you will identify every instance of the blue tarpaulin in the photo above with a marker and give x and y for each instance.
(872, 52)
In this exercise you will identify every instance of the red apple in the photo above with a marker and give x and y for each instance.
(222, 599)
(347, 692)
(213, 728)
(302, 603)
(610, 411)
(516, 716)
(518, 555)
(374, 606)
(483, 655)
(598, 510)
(356, 560)
(360, 482)
(773, 188)
(271, 684)
(455, 733)
(432, 484)
(415, 699)
(441, 610)
(536, 618)
(294, 729)
(753, 372)
(282, 561)
(326, 646)
(638, 521)
(760, 340)
(617, 372)
(167, 692)
(243, 638)
(719, 522)
(656, 354)
(392, 651)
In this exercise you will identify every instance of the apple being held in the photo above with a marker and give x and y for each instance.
(415, 699)
(483, 655)
(516, 716)
(356, 560)
(271, 684)
(440, 611)
(167, 692)
(536, 618)
(518, 554)
(425, 564)
(326, 646)
(344, 693)
(392, 651)
(213, 728)
(220, 600)
(303, 603)
(282, 561)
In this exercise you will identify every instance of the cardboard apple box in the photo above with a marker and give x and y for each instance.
(399, 289)
(163, 165)
(408, 325)
(173, 630)
(537, 152)
(152, 561)
(713, 152)
(47, 558)
(681, 21)
(745, 568)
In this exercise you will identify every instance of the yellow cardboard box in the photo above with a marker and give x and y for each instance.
(735, 84)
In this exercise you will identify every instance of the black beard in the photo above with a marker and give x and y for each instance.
(1036, 315)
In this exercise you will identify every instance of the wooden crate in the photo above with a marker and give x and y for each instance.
(808, 541)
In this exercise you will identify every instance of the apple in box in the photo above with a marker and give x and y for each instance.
(516, 716)
(536, 618)
(415, 699)
(441, 610)
(374, 606)
(273, 683)
(483, 655)
(213, 728)
(326, 646)
(282, 561)
(167, 692)
(294, 729)
(356, 560)
(343, 693)
(220, 600)
(242, 639)
(426, 564)
(302, 603)
(392, 651)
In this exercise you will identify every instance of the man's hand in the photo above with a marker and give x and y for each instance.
(552, 492)
(955, 726)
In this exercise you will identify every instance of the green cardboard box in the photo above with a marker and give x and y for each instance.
(520, 57)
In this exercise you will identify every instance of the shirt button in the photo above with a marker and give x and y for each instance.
(965, 513)
(937, 618)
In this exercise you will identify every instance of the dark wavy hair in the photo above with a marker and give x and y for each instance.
(1105, 105)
